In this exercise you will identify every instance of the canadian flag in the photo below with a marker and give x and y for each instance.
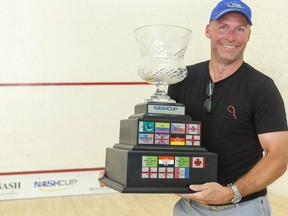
(198, 162)
(193, 129)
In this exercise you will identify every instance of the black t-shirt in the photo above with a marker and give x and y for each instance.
(245, 104)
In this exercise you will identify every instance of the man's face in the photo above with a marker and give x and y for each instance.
(229, 36)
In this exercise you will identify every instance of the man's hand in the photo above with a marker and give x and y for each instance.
(101, 175)
(210, 193)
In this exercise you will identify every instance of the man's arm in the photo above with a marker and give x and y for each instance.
(266, 171)
(270, 167)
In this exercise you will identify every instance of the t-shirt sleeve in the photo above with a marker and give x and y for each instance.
(269, 113)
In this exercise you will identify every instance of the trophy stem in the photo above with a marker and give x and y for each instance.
(160, 95)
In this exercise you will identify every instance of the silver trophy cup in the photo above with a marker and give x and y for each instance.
(162, 49)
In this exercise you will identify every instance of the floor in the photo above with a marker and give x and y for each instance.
(108, 204)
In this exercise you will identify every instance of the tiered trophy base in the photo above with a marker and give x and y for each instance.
(159, 151)
(158, 170)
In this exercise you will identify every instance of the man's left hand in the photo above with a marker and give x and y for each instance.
(210, 193)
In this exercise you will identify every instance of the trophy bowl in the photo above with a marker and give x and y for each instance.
(162, 48)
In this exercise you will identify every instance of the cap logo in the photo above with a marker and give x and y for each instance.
(234, 5)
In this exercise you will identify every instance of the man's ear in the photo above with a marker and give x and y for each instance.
(249, 34)
(208, 30)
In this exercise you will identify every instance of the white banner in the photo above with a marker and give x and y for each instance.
(56, 184)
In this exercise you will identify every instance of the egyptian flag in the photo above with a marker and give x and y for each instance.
(166, 161)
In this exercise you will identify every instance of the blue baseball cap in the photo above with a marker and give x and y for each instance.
(227, 6)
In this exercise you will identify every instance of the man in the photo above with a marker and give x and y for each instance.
(242, 115)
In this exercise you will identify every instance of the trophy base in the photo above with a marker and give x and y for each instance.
(124, 189)
(159, 151)
(158, 148)
(158, 170)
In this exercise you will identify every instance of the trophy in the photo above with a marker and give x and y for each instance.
(162, 49)
(159, 149)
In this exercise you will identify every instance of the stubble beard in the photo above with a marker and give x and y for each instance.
(227, 59)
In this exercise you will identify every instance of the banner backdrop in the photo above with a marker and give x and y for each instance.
(40, 185)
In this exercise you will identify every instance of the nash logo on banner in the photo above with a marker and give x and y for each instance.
(51, 185)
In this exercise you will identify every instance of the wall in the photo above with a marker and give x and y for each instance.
(68, 41)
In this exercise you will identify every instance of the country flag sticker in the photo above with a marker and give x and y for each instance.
(181, 173)
(149, 167)
(178, 128)
(193, 140)
(149, 172)
(178, 139)
(166, 172)
(145, 138)
(149, 161)
(182, 162)
(162, 139)
(198, 162)
(193, 129)
(166, 161)
(162, 127)
(146, 127)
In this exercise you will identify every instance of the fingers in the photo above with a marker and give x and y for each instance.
(100, 176)
(197, 188)
(209, 193)
(102, 184)
(185, 196)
